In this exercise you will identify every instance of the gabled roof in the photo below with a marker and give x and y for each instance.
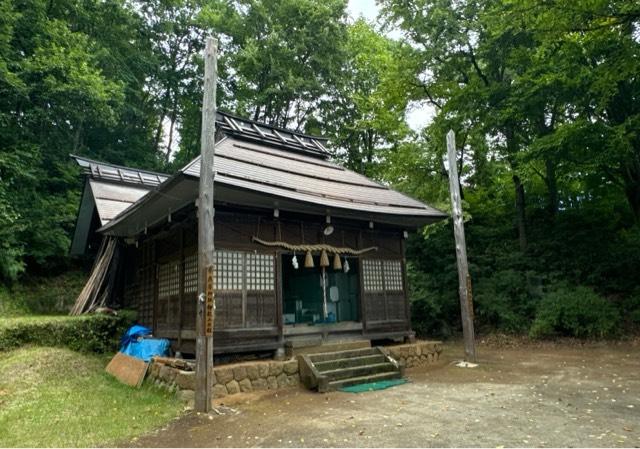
(279, 173)
(253, 174)
(255, 165)
(257, 132)
(109, 190)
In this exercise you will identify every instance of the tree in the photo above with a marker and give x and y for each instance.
(71, 80)
(281, 57)
(366, 116)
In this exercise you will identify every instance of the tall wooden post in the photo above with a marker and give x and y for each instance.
(206, 302)
(464, 280)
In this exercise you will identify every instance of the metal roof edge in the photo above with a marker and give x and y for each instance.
(277, 128)
(152, 194)
(93, 161)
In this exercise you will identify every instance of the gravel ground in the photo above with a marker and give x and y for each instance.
(576, 396)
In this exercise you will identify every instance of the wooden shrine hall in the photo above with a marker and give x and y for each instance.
(306, 251)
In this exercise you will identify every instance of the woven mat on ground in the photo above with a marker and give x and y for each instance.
(373, 386)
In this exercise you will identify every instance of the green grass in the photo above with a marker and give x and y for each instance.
(42, 295)
(55, 397)
(33, 319)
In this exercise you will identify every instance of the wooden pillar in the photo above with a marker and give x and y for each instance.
(464, 280)
(206, 275)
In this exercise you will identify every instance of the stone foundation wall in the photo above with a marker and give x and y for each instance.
(419, 353)
(228, 379)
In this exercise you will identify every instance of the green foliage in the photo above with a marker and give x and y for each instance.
(72, 80)
(433, 311)
(542, 99)
(91, 333)
(282, 56)
(366, 115)
(57, 397)
(42, 295)
(630, 305)
(506, 300)
(575, 312)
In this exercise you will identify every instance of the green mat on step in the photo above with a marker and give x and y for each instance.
(373, 386)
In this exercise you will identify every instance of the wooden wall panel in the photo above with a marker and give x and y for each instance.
(228, 310)
(261, 309)
(384, 293)
(235, 324)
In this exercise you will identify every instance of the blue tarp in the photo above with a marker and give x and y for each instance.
(133, 333)
(143, 348)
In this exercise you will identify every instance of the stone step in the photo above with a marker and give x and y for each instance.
(312, 345)
(326, 356)
(336, 384)
(359, 371)
(350, 362)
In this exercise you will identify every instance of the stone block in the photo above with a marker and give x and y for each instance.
(418, 350)
(233, 387)
(219, 391)
(239, 373)
(224, 375)
(263, 370)
(272, 383)
(290, 367)
(275, 368)
(293, 380)
(154, 370)
(214, 380)
(245, 385)
(259, 384)
(282, 380)
(186, 380)
(167, 374)
(252, 372)
(186, 395)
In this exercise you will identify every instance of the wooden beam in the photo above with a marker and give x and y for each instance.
(464, 280)
(206, 301)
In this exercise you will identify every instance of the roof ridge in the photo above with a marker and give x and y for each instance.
(94, 161)
(277, 128)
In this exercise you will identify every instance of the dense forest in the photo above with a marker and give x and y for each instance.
(544, 97)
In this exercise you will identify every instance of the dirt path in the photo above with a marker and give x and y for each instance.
(559, 396)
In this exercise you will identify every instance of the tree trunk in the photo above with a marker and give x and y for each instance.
(77, 137)
(512, 150)
(520, 212)
(170, 142)
(158, 136)
(552, 187)
(631, 178)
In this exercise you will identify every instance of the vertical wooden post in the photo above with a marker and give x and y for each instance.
(206, 303)
(464, 280)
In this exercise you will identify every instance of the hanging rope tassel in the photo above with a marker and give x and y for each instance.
(337, 263)
(324, 259)
(308, 260)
